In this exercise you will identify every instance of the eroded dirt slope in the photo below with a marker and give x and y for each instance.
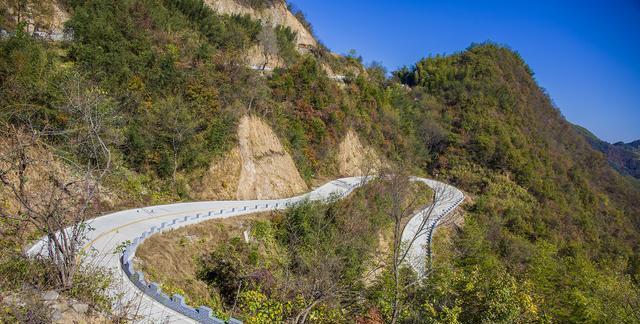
(356, 159)
(276, 14)
(268, 171)
(220, 182)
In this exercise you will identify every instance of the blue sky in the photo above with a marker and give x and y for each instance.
(585, 53)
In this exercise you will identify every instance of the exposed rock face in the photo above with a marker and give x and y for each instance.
(268, 170)
(258, 168)
(48, 16)
(50, 295)
(220, 182)
(276, 14)
(255, 58)
(44, 165)
(80, 308)
(60, 16)
(354, 159)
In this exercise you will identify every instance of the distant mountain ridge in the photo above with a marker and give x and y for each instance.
(624, 157)
(634, 145)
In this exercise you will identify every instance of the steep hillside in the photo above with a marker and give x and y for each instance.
(551, 232)
(51, 16)
(273, 12)
(257, 168)
(549, 212)
(267, 169)
(48, 16)
(354, 159)
(624, 157)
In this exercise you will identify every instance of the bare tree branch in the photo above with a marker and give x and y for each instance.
(51, 192)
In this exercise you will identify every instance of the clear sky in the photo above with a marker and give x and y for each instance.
(585, 53)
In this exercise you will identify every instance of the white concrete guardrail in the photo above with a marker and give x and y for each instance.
(113, 241)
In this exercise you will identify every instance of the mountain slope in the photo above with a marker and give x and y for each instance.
(271, 12)
(624, 157)
(551, 232)
(548, 208)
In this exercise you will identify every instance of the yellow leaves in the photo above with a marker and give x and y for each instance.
(471, 279)
(136, 84)
(147, 104)
(449, 315)
(259, 308)
(173, 51)
(205, 95)
(529, 305)
(429, 309)
(528, 301)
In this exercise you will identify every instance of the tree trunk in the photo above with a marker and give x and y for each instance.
(302, 316)
(175, 162)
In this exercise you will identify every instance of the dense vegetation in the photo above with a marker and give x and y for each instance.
(551, 233)
(316, 260)
(548, 211)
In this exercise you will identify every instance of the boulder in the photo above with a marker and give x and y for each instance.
(50, 295)
(62, 307)
(56, 315)
(80, 308)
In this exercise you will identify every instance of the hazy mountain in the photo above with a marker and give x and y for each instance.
(624, 157)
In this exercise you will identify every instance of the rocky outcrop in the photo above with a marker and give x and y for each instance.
(258, 168)
(256, 59)
(220, 181)
(43, 167)
(355, 159)
(44, 16)
(49, 307)
(268, 171)
(275, 14)
(59, 17)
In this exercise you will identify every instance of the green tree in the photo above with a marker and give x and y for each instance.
(173, 125)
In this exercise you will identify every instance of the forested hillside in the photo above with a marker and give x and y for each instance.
(550, 234)
(551, 221)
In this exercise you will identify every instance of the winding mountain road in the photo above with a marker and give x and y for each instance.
(109, 232)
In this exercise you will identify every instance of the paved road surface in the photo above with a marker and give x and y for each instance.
(112, 230)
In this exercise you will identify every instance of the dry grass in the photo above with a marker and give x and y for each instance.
(171, 258)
